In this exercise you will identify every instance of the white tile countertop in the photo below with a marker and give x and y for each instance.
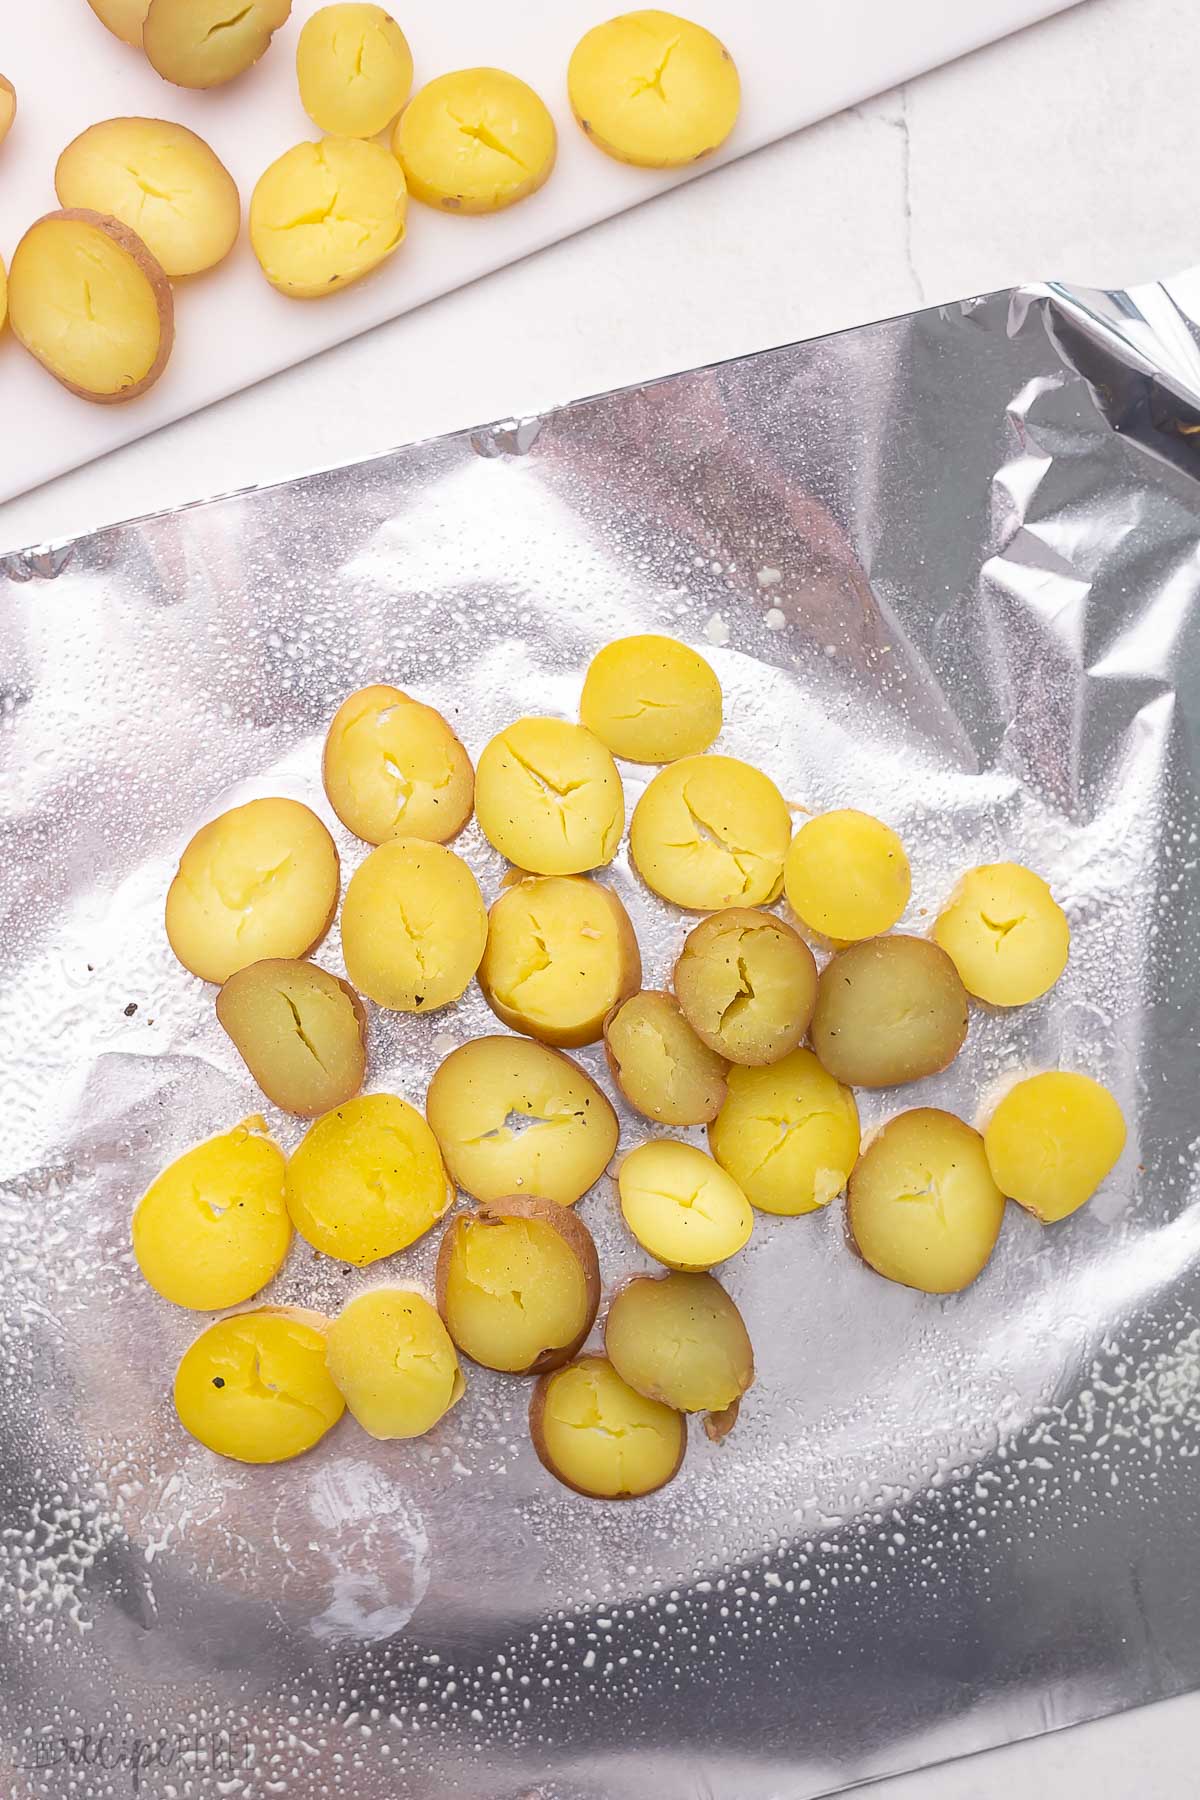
(1065, 151)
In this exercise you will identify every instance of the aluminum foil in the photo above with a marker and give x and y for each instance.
(946, 568)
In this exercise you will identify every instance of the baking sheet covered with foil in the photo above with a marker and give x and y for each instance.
(946, 568)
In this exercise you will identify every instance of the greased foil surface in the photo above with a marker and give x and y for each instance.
(947, 570)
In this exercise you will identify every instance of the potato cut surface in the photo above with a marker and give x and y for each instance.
(888, 1010)
(413, 925)
(1006, 934)
(204, 43)
(367, 1180)
(654, 89)
(846, 876)
(561, 953)
(300, 1031)
(8, 106)
(548, 797)
(325, 214)
(354, 68)
(394, 768)
(681, 1206)
(254, 1387)
(651, 699)
(788, 1134)
(659, 1063)
(1051, 1142)
(747, 984)
(475, 141)
(391, 1359)
(601, 1437)
(518, 1284)
(159, 179)
(923, 1207)
(124, 18)
(680, 1339)
(709, 832)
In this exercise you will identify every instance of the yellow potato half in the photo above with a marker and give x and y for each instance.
(513, 1117)
(213, 1228)
(258, 881)
(354, 68)
(747, 984)
(325, 214)
(413, 925)
(709, 832)
(391, 1359)
(8, 106)
(204, 43)
(846, 876)
(599, 1436)
(124, 18)
(475, 141)
(659, 1063)
(1051, 1142)
(788, 1134)
(923, 1208)
(3, 294)
(548, 797)
(394, 768)
(561, 953)
(300, 1031)
(518, 1284)
(888, 1010)
(254, 1387)
(651, 699)
(367, 1180)
(653, 89)
(680, 1339)
(91, 303)
(159, 179)
(1005, 933)
(681, 1206)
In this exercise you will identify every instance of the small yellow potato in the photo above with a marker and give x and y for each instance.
(213, 1228)
(747, 984)
(681, 1206)
(367, 1180)
(600, 1437)
(709, 832)
(651, 699)
(160, 180)
(254, 1387)
(923, 1208)
(124, 18)
(1051, 1142)
(548, 797)
(300, 1031)
(513, 1117)
(394, 768)
(475, 141)
(204, 43)
(91, 303)
(659, 1063)
(258, 881)
(1007, 935)
(518, 1285)
(561, 953)
(355, 70)
(413, 925)
(392, 1361)
(653, 89)
(325, 214)
(788, 1134)
(8, 107)
(888, 1010)
(680, 1339)
(3, 294)
(846, 876)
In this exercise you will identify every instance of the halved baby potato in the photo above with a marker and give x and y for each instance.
(599, 1436)
(394, 768)
(474, 141)
(923, 1207)
(680, 1339)
(300, 1031)
(747, 984)
(1007, 935)
(160, 180)
(204, 43)
(682, 1208)
(889, 1010)
(1051, 1142)
(325, 214)
(124, 18)
(548, 797)
(367, 1180)
(654, 89)
(354, 68)
(846, 876)
(8, 106)
(513, 1117)
(518, 1284)
(659, 1063)
(651, 699)
(392, 1361)
(413, 925)
(254, 1387)
(788, 1134)
(561, 953)
(709, 832)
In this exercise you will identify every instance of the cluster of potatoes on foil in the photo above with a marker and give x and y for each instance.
(753, 1041)
(145, 203)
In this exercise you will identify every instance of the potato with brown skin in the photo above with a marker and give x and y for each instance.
(8, 107)
(659, 1063)
(747, 984)
(560, 954)
(891, 1009)
(518, 1284)
(680, 1339)
(124, 18)
(300, 1031)
(600, 1437)
(204, 43)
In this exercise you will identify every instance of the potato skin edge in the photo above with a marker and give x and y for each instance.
(614, 1067)
(360, 1015)
(537, 1410)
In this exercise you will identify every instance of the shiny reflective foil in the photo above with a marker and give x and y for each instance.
(947, 570)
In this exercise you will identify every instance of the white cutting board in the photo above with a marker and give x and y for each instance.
(800, 60)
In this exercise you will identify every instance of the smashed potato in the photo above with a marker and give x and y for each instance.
(393, 1363)
(204, 43)
(513, 1117)
(475, 141)
(561, 953)
(599, 1436)
(367, 1180)
(354, 68)
(325, 214)
(213, 1228)
(659, 1063)
(653, 89)
(846, 876)
(413, 925)
(91, 303)
(680, 1339)
(889, 1010)
(160, 180)
(124, 18)
(8, 107)
(709, 832)
(681, 1207)
(923, 1208)
(1051, 1142)
(393, 767)
(258, 881)
(300, 1031)
(651, 699)
(788, 1134)
(548, 797)
(1006, 933)
(254, 1387)
(518, 1284)
(747, 984)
